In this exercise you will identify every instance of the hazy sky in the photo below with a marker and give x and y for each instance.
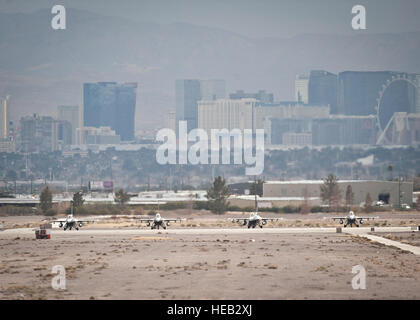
(255, 18)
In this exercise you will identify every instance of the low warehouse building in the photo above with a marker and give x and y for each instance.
(386, 191)
(271, 202)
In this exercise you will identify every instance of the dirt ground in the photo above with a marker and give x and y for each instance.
(186, 266)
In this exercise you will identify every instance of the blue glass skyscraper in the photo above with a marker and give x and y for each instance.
(108, 104)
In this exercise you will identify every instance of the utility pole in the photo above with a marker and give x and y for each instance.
(255, 192)
(399, 192)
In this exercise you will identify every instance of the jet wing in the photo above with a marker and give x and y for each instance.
(365, 218)
(145, 220)
(271, 219)
(54, 221)
(238, 219)
(173, 220)
(84, 221)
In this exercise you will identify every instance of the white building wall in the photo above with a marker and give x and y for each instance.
(226, 114)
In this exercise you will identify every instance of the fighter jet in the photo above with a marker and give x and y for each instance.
(70, 222)
(351, 219)
(255, 219)
(158, 221)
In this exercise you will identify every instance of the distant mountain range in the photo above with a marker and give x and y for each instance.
(42, 68)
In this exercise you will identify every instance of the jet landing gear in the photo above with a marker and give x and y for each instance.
(253, 225)
(351, 225)
(158, 226)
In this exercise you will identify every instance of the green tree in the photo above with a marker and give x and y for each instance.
(368, 203)
(330, 192)
(78, 200)
(121, 197)
(45, 199)
(349, 196)
(218, 195)
(305, 207)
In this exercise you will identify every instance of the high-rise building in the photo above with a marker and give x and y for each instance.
(189, 91)
(108, 104)
(263, 113)
(101, 135)
(4, 118)
(322, 89)
(327, 130)
(170, 120)
(260, 96)
(302, 88)
(73, 116)
(43, 134)
(382, 93)
(281, 130)
(226, 114)
(344, 130)
(62, 134)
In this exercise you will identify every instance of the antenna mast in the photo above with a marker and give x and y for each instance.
(255, 192)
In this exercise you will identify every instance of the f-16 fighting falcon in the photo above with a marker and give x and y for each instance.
(254, 218)
(158, 221)
(351, 219)
(70, 222)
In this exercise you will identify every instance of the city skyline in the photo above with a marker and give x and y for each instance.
(379, 95)
(163, 53)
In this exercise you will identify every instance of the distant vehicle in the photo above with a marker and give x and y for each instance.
(158, 221)
(351, 219)
(405, 206)
(254, 219)
(379, 203)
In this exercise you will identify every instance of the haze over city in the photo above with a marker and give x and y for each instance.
(251, 45)
(209, 149)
